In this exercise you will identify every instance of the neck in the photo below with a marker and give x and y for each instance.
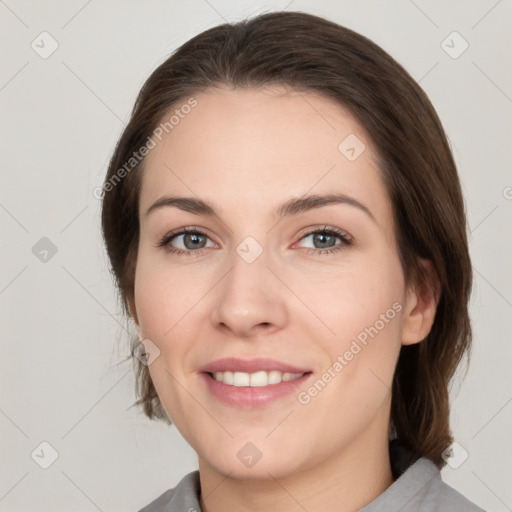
(345, 482)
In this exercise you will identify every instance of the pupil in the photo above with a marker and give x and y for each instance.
(195, 238)
(318, 238)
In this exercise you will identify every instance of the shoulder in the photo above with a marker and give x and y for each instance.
(434, 495)
(420, 489)
(183, 498)
(159, 504)
(447, 499)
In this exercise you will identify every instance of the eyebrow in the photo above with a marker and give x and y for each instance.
(291, 207)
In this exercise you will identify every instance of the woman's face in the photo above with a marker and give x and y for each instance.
(260, 279)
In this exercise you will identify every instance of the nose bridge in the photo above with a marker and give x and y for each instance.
(249, 295)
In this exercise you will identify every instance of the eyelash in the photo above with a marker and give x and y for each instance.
(326, 230)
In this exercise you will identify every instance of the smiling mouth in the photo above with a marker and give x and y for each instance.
(256, 379)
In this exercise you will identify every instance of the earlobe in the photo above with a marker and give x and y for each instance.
(420, 306)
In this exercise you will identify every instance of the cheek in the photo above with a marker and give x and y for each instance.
(350, 298)
(164, 299)
(362, 308)
(164, 294)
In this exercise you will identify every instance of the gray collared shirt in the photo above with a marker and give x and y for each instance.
(418, 489)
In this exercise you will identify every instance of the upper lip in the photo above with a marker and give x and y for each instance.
(234, 364)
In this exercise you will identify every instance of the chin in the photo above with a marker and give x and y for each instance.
(265, 468)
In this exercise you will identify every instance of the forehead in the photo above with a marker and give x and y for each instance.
(258, 147)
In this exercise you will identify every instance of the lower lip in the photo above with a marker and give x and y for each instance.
(248, 397)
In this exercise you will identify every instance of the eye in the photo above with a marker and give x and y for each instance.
(189, 241)
(192, 242)
(324, 240)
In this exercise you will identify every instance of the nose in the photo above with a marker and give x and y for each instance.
(250, 300)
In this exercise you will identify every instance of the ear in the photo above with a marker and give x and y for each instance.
(421, 301)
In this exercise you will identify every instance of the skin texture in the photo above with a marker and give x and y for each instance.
(247, 152)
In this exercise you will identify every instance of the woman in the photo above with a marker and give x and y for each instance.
(286, 228)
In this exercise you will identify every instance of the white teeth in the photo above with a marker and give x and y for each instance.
(257, 379)
(240, 379)
(274, 377)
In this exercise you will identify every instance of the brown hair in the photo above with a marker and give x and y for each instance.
(312, 54)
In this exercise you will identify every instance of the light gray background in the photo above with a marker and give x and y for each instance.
(62, 332)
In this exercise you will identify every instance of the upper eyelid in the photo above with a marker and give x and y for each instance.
(171, 235)
(306, 231)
